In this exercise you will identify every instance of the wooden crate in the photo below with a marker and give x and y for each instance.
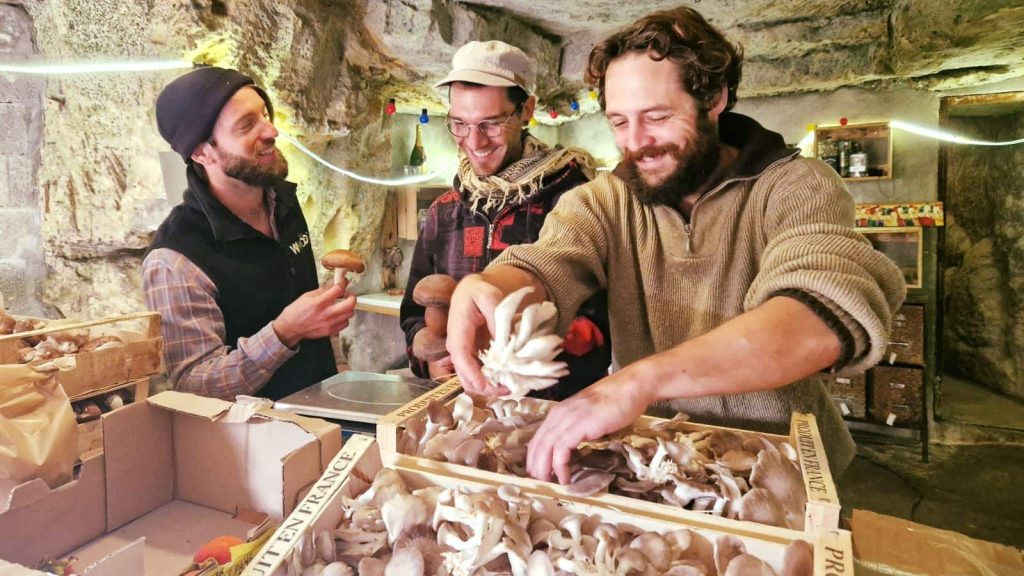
(99, 371)
(849, 394)
(822, 511)
(360, 460)
(896, 395)
(906, 342)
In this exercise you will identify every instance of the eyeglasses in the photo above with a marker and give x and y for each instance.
(489, 128)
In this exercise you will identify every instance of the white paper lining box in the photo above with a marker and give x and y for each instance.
(359, 461)
(174, 469)
(821, 512)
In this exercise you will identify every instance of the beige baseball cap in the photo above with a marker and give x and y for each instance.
(492, 63)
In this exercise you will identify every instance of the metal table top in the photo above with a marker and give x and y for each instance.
(355, 396)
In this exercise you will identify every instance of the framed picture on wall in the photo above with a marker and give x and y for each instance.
(903, 246)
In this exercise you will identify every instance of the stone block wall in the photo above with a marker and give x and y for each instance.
(21, 129)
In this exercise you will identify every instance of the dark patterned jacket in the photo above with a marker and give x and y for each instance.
(458, 241)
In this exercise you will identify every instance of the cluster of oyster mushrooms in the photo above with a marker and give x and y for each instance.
(392, 530)
(54, 345)
(742, 476)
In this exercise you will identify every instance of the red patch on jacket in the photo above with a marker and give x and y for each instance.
(473, 242)
(499, 231)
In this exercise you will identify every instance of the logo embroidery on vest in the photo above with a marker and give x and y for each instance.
(299, 244)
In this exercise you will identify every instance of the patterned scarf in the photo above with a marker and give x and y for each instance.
(521, 180)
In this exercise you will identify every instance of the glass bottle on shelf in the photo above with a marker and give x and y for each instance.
(858, 160)
(828, 153)
(844, 158)
(418, 156)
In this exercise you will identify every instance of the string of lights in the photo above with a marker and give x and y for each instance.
(94, 67)
(381, 181)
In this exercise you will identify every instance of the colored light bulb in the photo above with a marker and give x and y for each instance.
(554, 113)
(843, 121)
(390, 108)
(424, 119)
(575, 106)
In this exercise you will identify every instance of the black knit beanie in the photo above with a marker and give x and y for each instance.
(188, 107)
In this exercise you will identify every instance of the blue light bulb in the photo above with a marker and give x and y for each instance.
(424, 119)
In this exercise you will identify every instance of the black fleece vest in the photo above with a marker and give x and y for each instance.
(255, 276)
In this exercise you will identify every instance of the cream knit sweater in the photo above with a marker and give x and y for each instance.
(784, 227)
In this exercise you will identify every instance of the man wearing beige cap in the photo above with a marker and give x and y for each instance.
(507, 182)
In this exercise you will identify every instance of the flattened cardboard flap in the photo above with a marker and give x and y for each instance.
(888, 545)
(202, 406)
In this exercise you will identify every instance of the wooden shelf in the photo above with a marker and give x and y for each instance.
(875, 139)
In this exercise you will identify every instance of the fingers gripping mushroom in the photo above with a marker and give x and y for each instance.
(433, 292)
(342, 262)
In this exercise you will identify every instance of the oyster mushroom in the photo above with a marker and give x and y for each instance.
(748, 565)
(798, 560)
(371, 567)
(406, 562)
(761, 506)
(692, 546)
(781, 477)
(686, 568)
(589, 482)
(655, 548)
(726, 548)
(540, 564)
(401, 513)
(523, 359)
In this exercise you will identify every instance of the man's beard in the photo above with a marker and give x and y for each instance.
(252, 172)
(694, 167)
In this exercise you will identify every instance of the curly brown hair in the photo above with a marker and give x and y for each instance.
(705, 58)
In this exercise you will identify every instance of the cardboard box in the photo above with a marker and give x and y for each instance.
(140, 354)
(359, 461)
(884, 545)
(174, 470)
(822, 511)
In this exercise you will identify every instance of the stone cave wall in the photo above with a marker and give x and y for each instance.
(21, 131)
(984, 255)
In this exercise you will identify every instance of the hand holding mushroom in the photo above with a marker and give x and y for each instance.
(434, 292)
(343, 262)
(319, 313)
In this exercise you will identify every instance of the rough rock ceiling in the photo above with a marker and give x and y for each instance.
(790, 45)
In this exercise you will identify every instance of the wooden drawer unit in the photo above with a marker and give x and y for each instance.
(906, 342)
(849, 394)
(896, 395)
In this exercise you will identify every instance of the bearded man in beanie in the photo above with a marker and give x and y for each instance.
(231, 269)
(507, 183)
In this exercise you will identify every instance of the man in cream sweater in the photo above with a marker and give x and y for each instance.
(733, 272)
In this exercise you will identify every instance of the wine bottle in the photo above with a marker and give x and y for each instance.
(418, 156)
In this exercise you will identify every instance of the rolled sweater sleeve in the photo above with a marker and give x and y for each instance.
(192, 326)
(814, 254)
